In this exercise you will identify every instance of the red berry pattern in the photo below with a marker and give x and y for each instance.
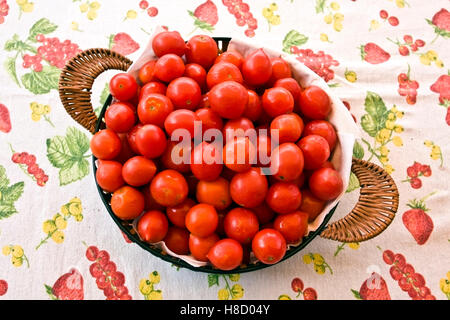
(54, 51)
(152, 12)
(143, 4)
(298, 287)
(415, 171)
(392, 20)
(241, 12)
(319, 62)
(4, 9)
(407, 87)
(3, 287)
(27, 162)
(408, 45)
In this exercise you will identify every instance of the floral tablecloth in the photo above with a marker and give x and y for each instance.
(388, 60)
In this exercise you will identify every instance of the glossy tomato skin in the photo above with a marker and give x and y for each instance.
(324, 129)
(120, 117)
(311, 204)
(185, 93)
(314, 103)
(123, 86)
(177, 240)
(221, 72)
(109, 175)
(169, 67)
(147, 72)
(257, 68)
(202, 220)
(152, 87)
(287, 162)
(138, 171)
(284, 197)
(177, 214)
(241, 225)
(226, 254)
(239, 154)
(200, 247)
(237, 128)
(197, 73)
(264, 150)
(127, 203)
(254, 106)
(206, 162)
(280, 70)
(152, 226)
(326, 184)
(105, 144)
(131, 137)
(181, 119)
(177, 157)
(293, 87)
(277, 101)
(202, 49)
(125, 150)
(289, 127)
(150, 202)
(168, 42)
(292, 226)
(209, 119)
(316, 151)
(233, 57)
(269, 246)
(263, 213)
(215, 193)
(169, 188)
(228, 99)
(150, 141)
(154, 109)
(248, 189)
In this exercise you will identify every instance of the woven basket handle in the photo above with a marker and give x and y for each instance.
(378, 201)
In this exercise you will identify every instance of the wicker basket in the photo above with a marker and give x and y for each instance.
(374, 211)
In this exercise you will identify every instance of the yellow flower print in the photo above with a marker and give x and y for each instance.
(155, 295)
(335, 6)
(374, 25)
(439, 63)
(58, 236)
(75, 26)
(436, 152)
(390, 124)
(284, 297)
(233, 292)
(147, 287)
(351, 76)
(84, 7)
(328, 19)
(17, 255)
(268, 13)
(39, 110)
(444, 285)
(397, 140)
(90, 8)
(237, 291)
(389, 169)
(398, 128)
(131, 14)
(223, 294)
(273, 6)
(351, 245)
(154, 277)
(25, 6)
(324, 37)
(318, 261)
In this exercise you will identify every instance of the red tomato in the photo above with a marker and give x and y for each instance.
(152, 226)
(109, 175)
(322, 128)
(203, 50)
(200, 247)
(311, 204)
(154, 109)
(316, 151)
(209, 119)
(185, 93)
(169, 67)
(264, 213)
(287, 162)
(269, 246)
(228, 99)
(206, 162)
(289, 127)
(239, 154)
(241, 225)
(215, 193)
(248, 189)
(177, 156)
(196, 72)
(150, 202)
(151, 141)
(254, 107)
(147, 72)
(168, 42)
(177, 214)
(300, 181)
(240, 127)
(202, 220)
(264, 150)
(233, 57)
(328, 164)
(205, 101)
(226, 254)
(280, 70)
(152, 87)
(326, 184)
(123, 86)
(131, 137)
(119, 117)
(177, 240)
(257, 68)
(127, 203)
(293, 87)
(105, 144)
(169, 188)
(284, 197)
(277, 101)
(292, 226)
(181, 119)
(138, 171)
(125, 150)
(314, 103)
(221, 72)
(220, 229)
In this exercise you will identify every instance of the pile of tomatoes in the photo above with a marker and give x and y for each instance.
(223, 210)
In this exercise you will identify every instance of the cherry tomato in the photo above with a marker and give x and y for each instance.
(152, 87)
(215, 193)
(277, 101)
(221, 72)
(177, 214)
(177, 156)
(152, 226)
(241, 225)
(138, 171)
(289, 127)
(206, 162)
(151, 141)
(169, 67)
(177, 240)
(123, 86)
(239, 154)
(127, 203)
(280, 70)
(220, 228)
(119, 117)
(209, 119)
(147, 72)
(205, 101)
(154, 109)
(287, 162)
(169, 188)
(293, 87)
(322, 128)
(125, 150)
(254, 107)
(292, 226)
(197, 73)
(226, 254)
(181, 119)
(200, 247)
(240, 127)
(300, 181)
(233, 57)
(185, 93)
(316, 151)
(311, 204)
(284, 197)
(203, 50)
(228, 99)
(105, 144)
(109, 175)
(131, 137)
(248, 189)
(328, 164)
(202, 220)
(168, 42)
(150, 202)
(269, 246)
(264, 213)
(326, 184)
(314, 103)
(257, 68)
(264, 150)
